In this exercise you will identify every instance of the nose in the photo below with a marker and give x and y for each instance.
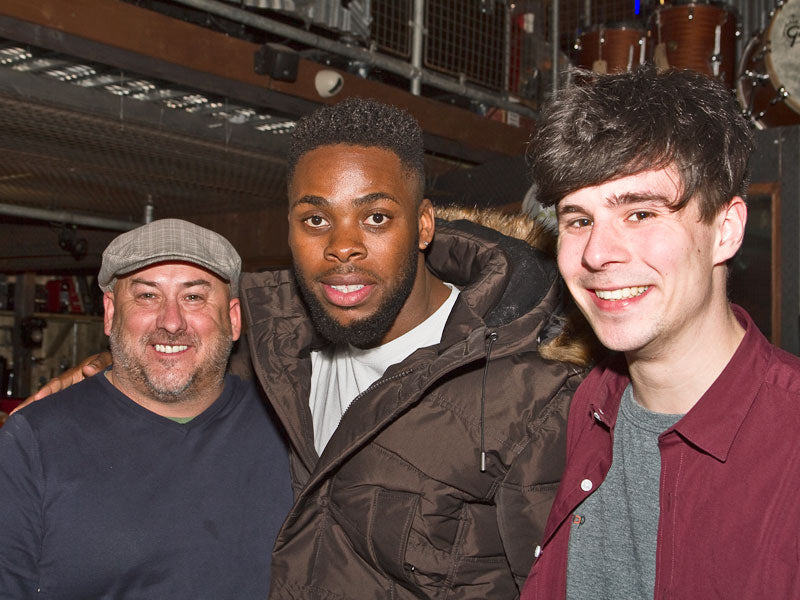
(604, 246)
(345, 243)
(171, 317)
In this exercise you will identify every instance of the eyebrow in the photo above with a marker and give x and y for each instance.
(621, 200)
(322, 202)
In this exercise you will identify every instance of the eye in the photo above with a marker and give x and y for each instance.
(640, 215)
(377, 219)
(145, 296)
(315, 221)
(579, 223)
(194, 297)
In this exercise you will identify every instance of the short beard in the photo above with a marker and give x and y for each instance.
(369, 331)
(169, 390)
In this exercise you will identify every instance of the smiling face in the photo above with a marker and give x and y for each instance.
(356, 230)
(646, 278)
(171, 327)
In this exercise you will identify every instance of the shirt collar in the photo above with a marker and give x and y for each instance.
(712, 424)
(613, 380)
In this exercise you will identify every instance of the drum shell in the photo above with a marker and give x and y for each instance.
(615, 45)
(689, 30)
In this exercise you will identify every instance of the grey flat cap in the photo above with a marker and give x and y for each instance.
(166, 240)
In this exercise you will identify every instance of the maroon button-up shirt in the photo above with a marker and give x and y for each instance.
(729, 522)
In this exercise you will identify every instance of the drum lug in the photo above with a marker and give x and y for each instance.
(754, 77)
(780, 95)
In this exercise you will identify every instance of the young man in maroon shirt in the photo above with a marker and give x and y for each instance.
(682, 459)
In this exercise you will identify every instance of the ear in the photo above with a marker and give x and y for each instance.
(730, 230)
(108, 314)
(235, 310)
(427, 223)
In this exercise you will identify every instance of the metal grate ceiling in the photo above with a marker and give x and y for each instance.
(55, 158)
(90, 140)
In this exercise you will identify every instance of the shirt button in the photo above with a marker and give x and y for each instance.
(586, 485)
(537, 552)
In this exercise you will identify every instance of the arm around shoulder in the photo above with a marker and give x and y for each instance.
(86, 368)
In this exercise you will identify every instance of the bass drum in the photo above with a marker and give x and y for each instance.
(613, 48)
(768, 86)
(696, 35)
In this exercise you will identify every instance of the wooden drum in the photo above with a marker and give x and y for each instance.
(613, 48)
(768, 86)
(698, 36)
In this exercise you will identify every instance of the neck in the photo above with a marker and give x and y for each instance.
(674, 378)
(428, 294)
(189, 404)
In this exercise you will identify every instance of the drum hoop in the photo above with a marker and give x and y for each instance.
(727, 7)
(617, 26)
(746, 55)
(723, 6)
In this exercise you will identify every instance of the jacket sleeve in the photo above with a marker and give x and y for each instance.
(529, 487)
(21, 483)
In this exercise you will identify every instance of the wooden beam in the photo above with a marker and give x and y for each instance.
(127, 28)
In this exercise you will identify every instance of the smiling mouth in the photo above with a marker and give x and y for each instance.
(165, 349)
(622, 293)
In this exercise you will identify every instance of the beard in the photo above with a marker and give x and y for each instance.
(368, 331)
(170, 385)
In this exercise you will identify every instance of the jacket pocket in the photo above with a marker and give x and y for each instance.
(392, 516)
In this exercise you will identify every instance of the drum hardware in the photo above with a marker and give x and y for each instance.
(716, 57)
(755, 77)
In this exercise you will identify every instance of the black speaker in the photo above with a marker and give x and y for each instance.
(278, 61)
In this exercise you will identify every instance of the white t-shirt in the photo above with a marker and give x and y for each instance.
(340, 373)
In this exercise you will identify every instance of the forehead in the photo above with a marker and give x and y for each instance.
(331, 170)
(660, 186)
(171, 273)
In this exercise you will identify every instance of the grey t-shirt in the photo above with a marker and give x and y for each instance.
(612, 542)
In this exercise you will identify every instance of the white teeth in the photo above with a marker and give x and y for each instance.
(347, 289)
(622, 293)
(170, 349)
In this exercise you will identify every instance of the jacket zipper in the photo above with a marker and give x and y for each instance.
(375, 385)
(491, 338)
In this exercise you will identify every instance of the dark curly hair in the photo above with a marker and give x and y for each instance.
(361, 122)
(610, 126)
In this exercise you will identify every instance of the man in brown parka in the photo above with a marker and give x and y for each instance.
(433, 477)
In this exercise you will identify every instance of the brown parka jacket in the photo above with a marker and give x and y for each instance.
(398, 505)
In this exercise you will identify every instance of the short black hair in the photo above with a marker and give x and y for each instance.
(361, 122)
(610, 126)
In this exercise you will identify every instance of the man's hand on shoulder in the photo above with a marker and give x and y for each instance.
(86, 368)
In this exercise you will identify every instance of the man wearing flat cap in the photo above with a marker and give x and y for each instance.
(162, 477)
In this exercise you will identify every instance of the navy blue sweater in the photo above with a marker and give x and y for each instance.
(101, 498)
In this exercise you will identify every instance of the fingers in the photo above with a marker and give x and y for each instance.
(94, 364)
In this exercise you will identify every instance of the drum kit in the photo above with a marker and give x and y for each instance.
(701, 35)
